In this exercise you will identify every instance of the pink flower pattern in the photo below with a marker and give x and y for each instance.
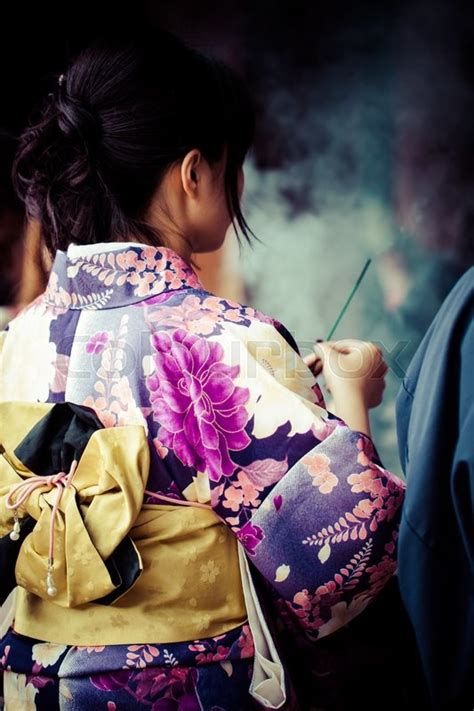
(386, 493)
(246, 643)
(318, 468)
(199, 315)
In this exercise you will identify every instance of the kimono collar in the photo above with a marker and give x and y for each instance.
(115, 274)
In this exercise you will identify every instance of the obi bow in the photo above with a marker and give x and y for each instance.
(70, 491)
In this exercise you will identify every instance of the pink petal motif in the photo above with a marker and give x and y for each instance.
(232, 420)
(239, 397)
(218, 462)
(209, 435)
(233, 498)
(194, 388)
(250, 536)
(111, 681)
(237, 440)
(366, 451)
(168, 369)
(97, 342)
(216, 352)
(318, 467)
(221, 387)
(188, 454)
(368, 482)
(169, 420)
(183, 357)
(175, 400)
(196, 402)
(231, 370)
(201, 354)
(152, 383)
(364, 508)
(191, 429)
(60, 375)
(277, 502)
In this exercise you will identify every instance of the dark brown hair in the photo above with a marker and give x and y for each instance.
(117, 120)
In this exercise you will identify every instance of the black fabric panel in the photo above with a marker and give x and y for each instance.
(58, 438)
(9, 551)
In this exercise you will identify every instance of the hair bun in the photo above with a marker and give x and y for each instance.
(76, 118)
(90, 165)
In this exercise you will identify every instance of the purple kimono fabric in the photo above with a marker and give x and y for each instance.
(234, 419)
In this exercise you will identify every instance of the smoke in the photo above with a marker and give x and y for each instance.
(435, 142)
(364, 153)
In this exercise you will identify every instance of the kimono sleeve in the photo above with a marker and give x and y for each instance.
(307, 497)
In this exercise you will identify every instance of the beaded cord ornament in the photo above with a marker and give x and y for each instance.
(19, 494)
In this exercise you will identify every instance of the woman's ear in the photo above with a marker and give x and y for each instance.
(190, 169)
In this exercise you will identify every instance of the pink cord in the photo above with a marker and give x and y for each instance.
(179, 502)
(61, 481)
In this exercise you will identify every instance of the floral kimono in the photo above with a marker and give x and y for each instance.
(167, 463)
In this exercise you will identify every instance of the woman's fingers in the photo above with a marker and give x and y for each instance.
(314, 363)
(349, 356)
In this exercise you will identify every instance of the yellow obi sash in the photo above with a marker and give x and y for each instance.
(190, 585)
(190, 588)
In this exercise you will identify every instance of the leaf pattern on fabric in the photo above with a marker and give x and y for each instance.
(313, 610)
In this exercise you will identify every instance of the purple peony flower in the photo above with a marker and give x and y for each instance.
(195, 400)
(250, 536)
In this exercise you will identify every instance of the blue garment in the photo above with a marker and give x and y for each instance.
(435, 419)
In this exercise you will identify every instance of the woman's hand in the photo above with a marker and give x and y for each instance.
(354, 373)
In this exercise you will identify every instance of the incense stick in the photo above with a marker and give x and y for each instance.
(348, 301)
